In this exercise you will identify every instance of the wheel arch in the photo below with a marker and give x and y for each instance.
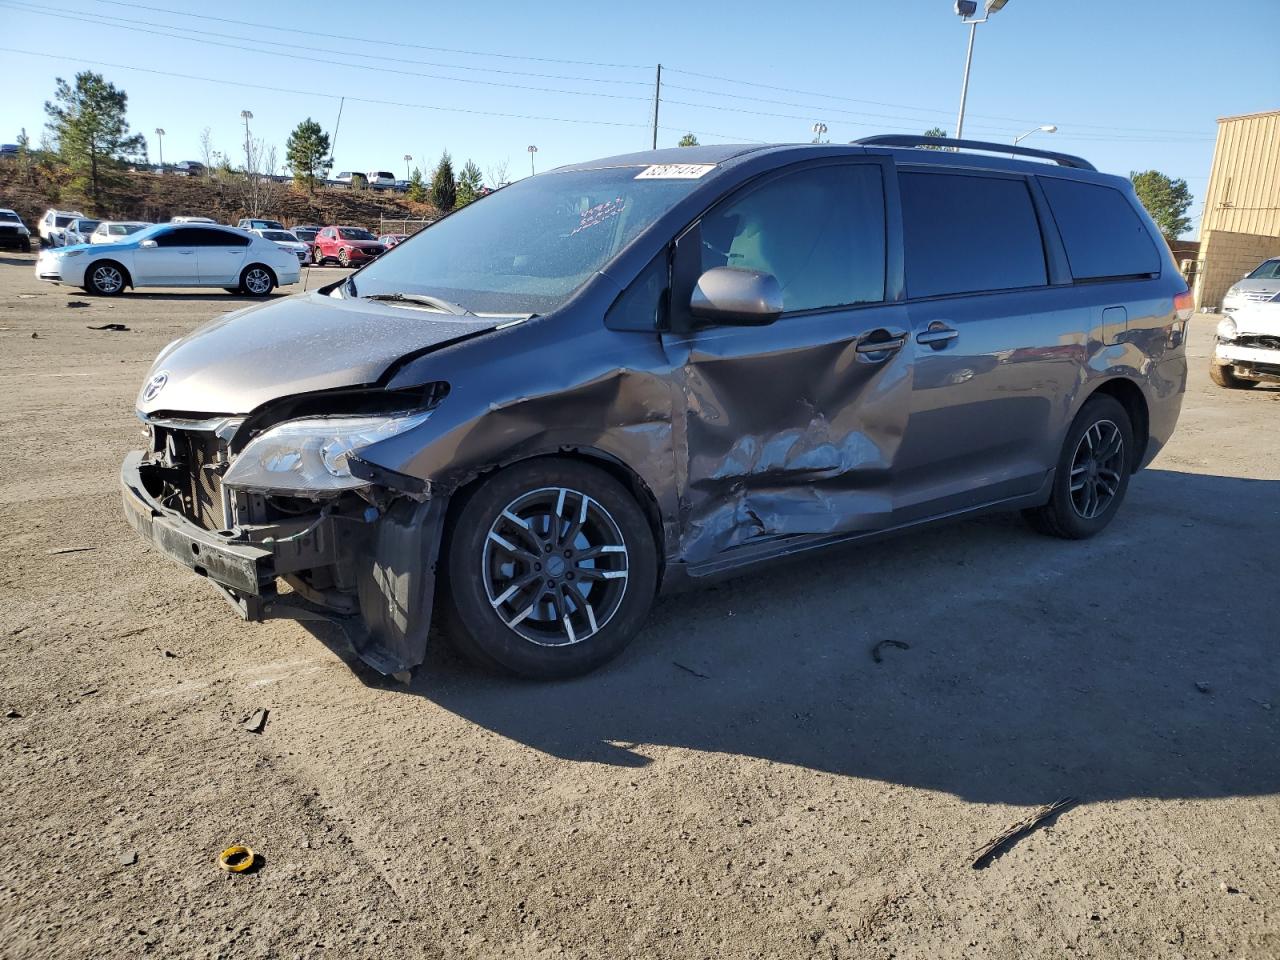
(1130, 396)
(275, 277)
(128, 276)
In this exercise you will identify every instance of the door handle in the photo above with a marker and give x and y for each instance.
(187, 253)
(938, 335)
(881, 340)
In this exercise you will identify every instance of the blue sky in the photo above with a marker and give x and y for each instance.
(1131, 85)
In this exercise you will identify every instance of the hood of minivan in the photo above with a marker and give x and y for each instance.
(305, 343)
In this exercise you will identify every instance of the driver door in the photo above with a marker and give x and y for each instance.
(793, 428)
(171, 262)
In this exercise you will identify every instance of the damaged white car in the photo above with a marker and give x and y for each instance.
(1248, 347)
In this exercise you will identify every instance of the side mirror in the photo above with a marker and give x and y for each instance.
(148, 244)
(736, 297)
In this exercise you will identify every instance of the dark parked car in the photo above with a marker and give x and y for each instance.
(662, 368)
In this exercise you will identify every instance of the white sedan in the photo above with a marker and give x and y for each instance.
(173, 255)
(285, 240)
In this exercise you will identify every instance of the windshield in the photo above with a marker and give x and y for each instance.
(9, 215)
(527, 247)
(279, 235)
(1268, 271)
(355, 233)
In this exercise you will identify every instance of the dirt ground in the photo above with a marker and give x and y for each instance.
(745, 782)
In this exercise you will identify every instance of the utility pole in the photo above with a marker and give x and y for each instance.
(160, 137)
(532, 151)
(407, 158)
(246, 115)
(657, 97)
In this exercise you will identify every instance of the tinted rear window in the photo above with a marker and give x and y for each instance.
(964, 234)
(1103, 234)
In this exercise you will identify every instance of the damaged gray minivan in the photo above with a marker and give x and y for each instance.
(655, 369)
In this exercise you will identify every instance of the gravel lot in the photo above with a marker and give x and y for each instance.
(745, 782)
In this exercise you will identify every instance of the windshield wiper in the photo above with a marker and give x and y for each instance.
(436, 303)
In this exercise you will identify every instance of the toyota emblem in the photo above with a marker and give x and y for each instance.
(154, 386)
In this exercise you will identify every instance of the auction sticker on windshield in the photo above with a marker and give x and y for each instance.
(675, 171)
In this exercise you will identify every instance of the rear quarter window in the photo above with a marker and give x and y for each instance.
(966, 233)
(1103, 234)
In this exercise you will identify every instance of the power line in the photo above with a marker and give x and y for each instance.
(354, 66)
(904, 106)
(314, 93)
(125, 22)
(389, 43)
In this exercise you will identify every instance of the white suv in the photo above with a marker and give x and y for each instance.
(53, 226)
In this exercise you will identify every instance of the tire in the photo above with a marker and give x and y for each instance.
(344, 258)
(1077, 514)
(26, 246)
(257, 280)
(105, 278)
(1224, 375)
(317, 257)
(499, 540)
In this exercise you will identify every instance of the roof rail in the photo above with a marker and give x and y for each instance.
(910, 140)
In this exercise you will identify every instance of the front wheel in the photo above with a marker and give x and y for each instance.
(551, 570)
(344, 258)
(317, 258)
(257, 280)
(1092, 474)
(1224, 375)
(106, 279)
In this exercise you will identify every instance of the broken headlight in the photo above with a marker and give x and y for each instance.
(1226, 329)
(310, 455)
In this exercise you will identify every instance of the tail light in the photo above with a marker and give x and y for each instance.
(1184, 305)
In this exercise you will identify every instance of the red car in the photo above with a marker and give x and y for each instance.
(391, 239)
(350, 246)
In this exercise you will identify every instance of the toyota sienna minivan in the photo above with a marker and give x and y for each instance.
(655, 369)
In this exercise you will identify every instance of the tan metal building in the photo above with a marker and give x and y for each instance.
(1241, 223)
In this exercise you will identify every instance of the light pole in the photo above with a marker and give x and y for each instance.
(160, 137)
(532, 151)
(1047, 128)
(965, 9)
(819, 129)
(407, 158)
(246, 116)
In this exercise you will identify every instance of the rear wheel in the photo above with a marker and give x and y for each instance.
(551, 570)
(1093, 472)
(105, 278)
(257, 280)
(1224, 375)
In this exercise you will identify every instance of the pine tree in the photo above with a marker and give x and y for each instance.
(470, 183)
(688, 140)
(444, 188)
(307, 153)
(88, 122)
(417, 191)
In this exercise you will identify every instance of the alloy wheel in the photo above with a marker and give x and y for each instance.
(555, 566)
(257, 281)
(344, 258)
(107, 279)
(1096, 469)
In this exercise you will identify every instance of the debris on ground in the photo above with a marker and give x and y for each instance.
(875, 651)
(982, 856)
(256, 722)
(169, 653)
(1202, 687)
(62, 550)
(89, 692)
(237, 858)
(34, 335)
(13, 715)
(108, 326)
(702, 676)
(129, 858)
(1227, 888)
(76, 303)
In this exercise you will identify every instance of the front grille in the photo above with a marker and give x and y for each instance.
(1258, 342)
(1259, 296)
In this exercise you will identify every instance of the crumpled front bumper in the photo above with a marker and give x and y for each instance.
(391, 560)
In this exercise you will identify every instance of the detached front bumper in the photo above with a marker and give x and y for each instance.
(389, 562)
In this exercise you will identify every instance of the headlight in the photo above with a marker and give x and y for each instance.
(1226, 329)
(24, 231)
(71, 253)
(306, 456)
